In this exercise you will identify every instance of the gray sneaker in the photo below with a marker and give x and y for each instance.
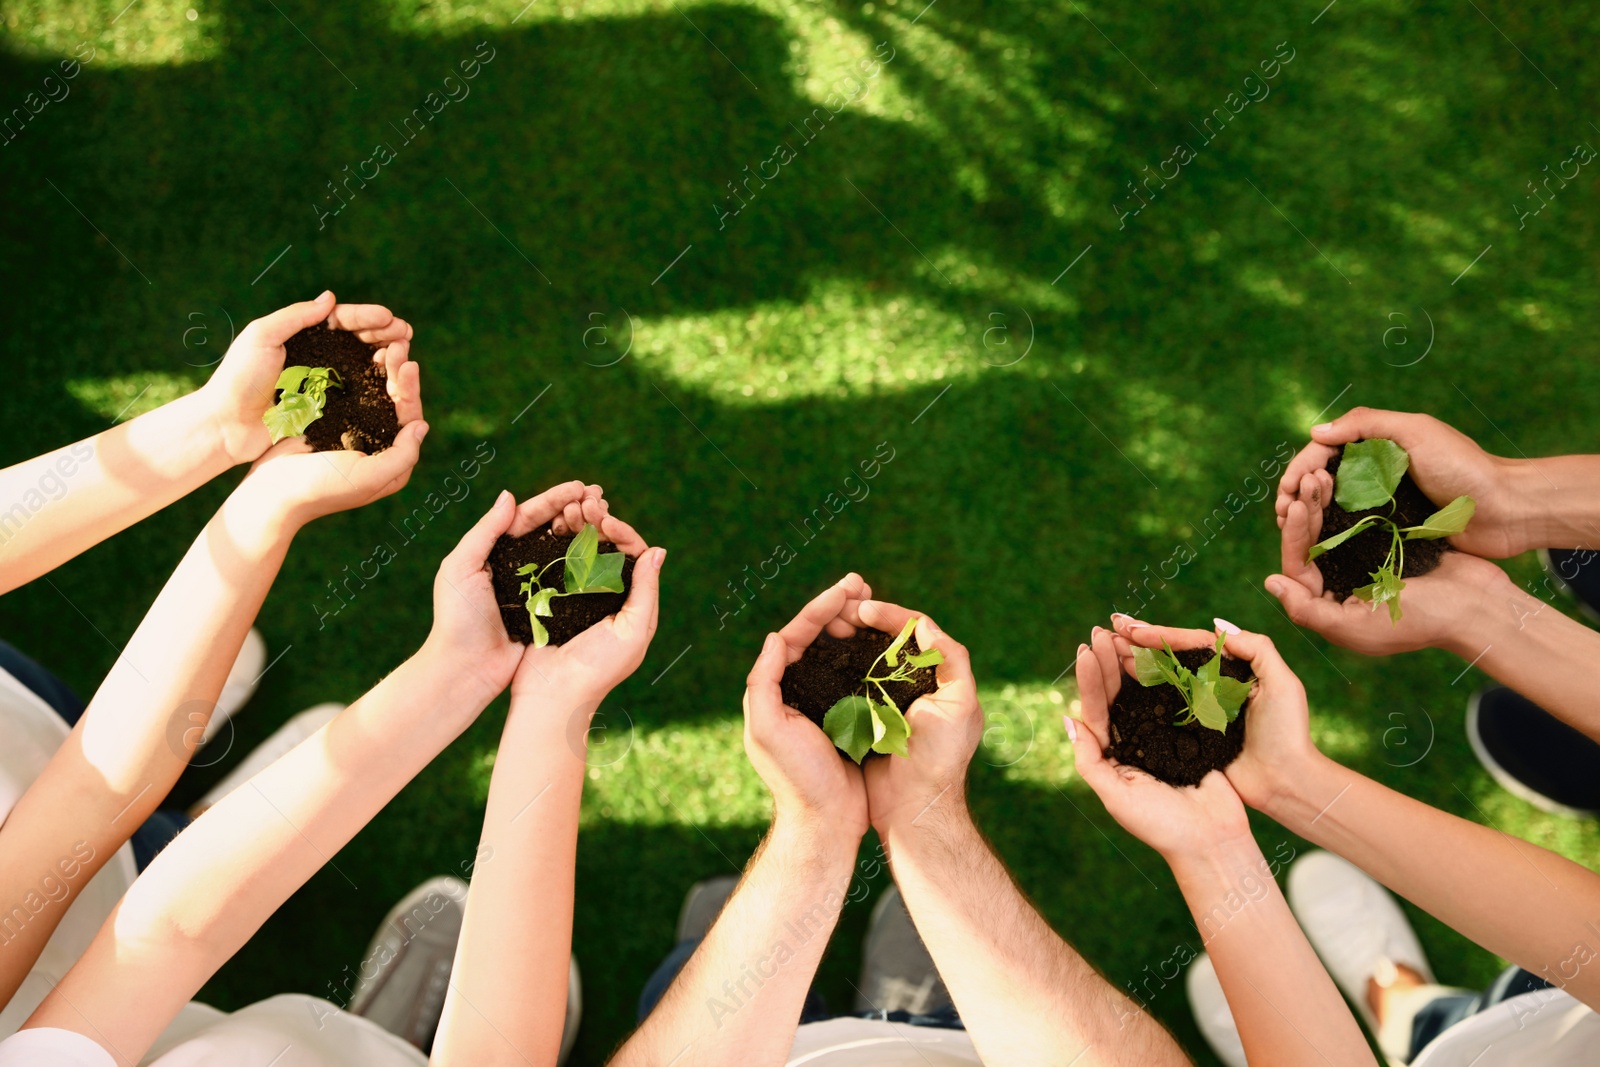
(897, 973)
(409, 961)
(703, 904)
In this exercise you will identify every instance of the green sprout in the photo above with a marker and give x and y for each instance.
(303, 391)
(1209, 698)
(858, 723)
(1368, 476)
(587, 570)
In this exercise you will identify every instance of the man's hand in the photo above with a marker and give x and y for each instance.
(813, 784)
(946, 726)
(1445, 464)
(242, 387)
(1175, 821)
(1438, 609)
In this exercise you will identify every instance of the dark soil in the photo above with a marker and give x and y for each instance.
(359, 415)
(571, 615)
(1143, 734)
(1353, 563)
(833, 668)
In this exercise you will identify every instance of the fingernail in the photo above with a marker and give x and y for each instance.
(503, 499)
(769, 644)
(1225, 626)
(1096, 632)
(325, 293)
(1131, 622)
(661, 558)
(1072, 728)
(422, 431)
(1322, 426)
(1275, 588)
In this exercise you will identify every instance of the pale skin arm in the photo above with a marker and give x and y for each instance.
(1286, 1007)
(214, 886)
(1025, 996)
(1523, 903)
(147, 717)
(508, 989)
(57, 505)
(738, 1000)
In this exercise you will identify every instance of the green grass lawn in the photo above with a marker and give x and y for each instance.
(901, 276)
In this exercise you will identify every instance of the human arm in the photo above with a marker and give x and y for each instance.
(1025, 996)
(738, 999)
(57, 505)
(1521, 902)
(150, 712)
(508, 988)
(1522, 504)
(214, 886)
(1287, 1008)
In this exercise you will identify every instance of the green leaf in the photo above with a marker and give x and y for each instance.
(581, 556)
(1205, 705)
(853, 726)
(891, 655)
(931, 658)
(539, 603)
(290, 416)
(289, 381)
(1340, 538)
(1385, 589)
(541, 636)
(893, 730)
(1368, 473)
(1446, 522)
(605, 576)
(1231, 694)
(1149, 666)
(532, 568)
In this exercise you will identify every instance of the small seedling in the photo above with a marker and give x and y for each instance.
(302, 393)
(859, 723)
(587, 570)
(1209, 698)
(1368, 476)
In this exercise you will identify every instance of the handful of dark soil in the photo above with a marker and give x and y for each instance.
(358, 414)
(570, 615)
(834, 668)
(1352, 564)
(1144, 734)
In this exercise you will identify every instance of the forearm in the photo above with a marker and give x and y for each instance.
(1025, 997)
(57, 505)
(1521, 902)
(1558, 500)
(136, 737)
(508, 988)
(1527, 644)
(738, 999)
(1286, 1007)
(214, 886)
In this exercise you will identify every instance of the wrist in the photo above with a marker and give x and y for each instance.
(1225, 862)
(941, 826)
(1306, 797)
(820, 845)
(256, 524)
(441, 660)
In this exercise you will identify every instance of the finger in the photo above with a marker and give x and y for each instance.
(571, 518)
(1313, 456)
(763, 692)
(1088, 756)
(804, 627)
(358, 317)
(956, 668)
(594, 511)
(394, 330)
(848, 620)
(622, 535)
(1266, 663)
(1302, 606)
(1105, 657)
(1094, 704)
(643, 606)
(1147, 635)
(472, 551)
(284, 323)
(1298, 539)
(391, 469)
(540, 510)
(881, 615)
(1359, 424)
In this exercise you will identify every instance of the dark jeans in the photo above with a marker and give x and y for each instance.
(162, 826)
(1441, 1013)
(815, 1009)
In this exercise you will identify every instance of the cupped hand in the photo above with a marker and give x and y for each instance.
(1445, 464)
(583, 670)
(946, 726)
(1277, 737)
(813, 784)
(244, 384)
(1174, 820)
(292, 483)
(1438, 609)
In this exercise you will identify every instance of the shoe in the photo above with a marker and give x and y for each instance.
(702, 905)
(1362, 935)
(1577, 572)
(243, 678)
(1534, 755)
(897, 973)
(286, 737)
(405, 974)
(1212, 1014)
(569, 1029)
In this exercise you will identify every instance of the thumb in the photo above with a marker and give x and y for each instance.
(1359, 424)
(284, 323)
(1301, 606)
(1265, 661)
(391, 468)
(763, 693)
(1088, 757)
(643, 606)
(472, 551)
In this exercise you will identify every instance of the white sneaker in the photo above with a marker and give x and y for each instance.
(241, 684)
(1212, 1014)
(286, 737)
(1361, 934)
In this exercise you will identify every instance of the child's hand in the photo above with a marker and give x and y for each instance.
(243, 385)
(292, 485)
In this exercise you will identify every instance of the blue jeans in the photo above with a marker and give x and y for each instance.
(814, 1010)
(1441, 1013)
(162, 826)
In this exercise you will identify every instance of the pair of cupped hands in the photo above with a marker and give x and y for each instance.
(290, 483)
